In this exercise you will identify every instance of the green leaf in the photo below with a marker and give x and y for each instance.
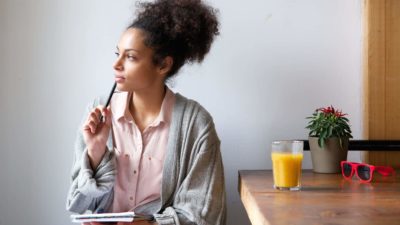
(321, 142)
(330, 131)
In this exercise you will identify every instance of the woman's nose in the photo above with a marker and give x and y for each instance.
(118, 64)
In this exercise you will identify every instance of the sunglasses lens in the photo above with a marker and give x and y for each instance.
(346, 169)
(364, 172)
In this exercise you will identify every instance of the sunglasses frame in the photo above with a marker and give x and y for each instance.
(384, 170)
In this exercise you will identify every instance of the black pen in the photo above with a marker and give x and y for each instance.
(109, 99)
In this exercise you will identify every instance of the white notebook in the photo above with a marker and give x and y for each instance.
(109, 217)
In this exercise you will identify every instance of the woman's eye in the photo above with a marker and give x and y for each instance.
(131, 57)
(117, 54)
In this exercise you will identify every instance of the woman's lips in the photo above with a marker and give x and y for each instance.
(119, 79)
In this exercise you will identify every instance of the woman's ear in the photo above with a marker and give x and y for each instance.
(166, 65)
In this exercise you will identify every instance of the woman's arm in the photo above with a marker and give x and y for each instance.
(91, 189)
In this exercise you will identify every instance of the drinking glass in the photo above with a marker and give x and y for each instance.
(287, 157)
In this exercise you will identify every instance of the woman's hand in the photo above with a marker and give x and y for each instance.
(95, 134)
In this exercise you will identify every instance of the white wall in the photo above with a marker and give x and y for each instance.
(273, 64)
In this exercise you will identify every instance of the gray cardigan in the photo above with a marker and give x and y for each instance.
(193, 187)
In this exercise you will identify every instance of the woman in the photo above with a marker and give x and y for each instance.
(156, 152)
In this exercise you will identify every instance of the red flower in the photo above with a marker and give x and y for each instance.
(340, 114)
(330, 110)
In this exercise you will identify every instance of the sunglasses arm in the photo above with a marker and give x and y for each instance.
(384, 170)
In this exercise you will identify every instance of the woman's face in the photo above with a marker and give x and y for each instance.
(134, 68)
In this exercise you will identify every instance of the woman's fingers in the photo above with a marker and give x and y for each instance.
(93, 127)
(107, 115)
(97, 112)
(93, 120)
(95, 115)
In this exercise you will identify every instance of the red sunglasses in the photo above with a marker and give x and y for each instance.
(364, 171)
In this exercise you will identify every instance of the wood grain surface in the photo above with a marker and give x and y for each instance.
(324, 199)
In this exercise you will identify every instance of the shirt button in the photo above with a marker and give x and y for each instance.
(134, 171)
(131, 198)
(149, 158)
(127, 155)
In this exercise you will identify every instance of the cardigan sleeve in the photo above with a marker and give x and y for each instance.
(200, 199)
(90, 189)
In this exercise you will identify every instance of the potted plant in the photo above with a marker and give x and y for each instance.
(328, 138)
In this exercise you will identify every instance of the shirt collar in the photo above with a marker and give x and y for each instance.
(166, 106)
(120, 107)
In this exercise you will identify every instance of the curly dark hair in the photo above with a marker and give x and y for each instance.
(182, 29)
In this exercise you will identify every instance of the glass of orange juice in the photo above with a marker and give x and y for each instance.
(286, 164)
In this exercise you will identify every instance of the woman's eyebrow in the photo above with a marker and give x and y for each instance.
(129, 49)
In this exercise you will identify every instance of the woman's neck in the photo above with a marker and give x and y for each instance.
(146, 105)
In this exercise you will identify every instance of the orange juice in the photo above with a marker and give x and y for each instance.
(286, 169)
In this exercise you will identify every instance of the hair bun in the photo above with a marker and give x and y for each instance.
(183, 29)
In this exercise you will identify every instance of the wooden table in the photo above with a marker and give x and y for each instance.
(323, 199)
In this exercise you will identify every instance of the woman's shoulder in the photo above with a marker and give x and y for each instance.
(192, 112)
(194, 120)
